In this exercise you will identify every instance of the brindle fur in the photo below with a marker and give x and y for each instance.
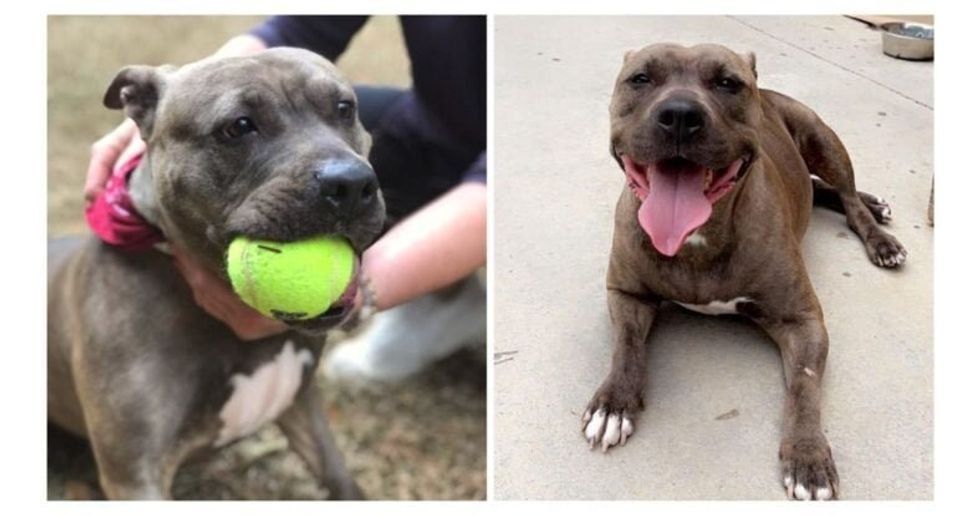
(134, 364)
(753, 235)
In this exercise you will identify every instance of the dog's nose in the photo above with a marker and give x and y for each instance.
(346, 185)
(680, 119)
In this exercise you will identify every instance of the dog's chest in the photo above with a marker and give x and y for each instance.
(717, 307)
(261, 396)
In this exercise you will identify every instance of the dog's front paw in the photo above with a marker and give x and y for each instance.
(808, 468)
(884, 250)
(609, 418)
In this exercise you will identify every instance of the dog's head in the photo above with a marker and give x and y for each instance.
(266, 146)
(684, 128)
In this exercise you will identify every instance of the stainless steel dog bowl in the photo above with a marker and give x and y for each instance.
(911, 41)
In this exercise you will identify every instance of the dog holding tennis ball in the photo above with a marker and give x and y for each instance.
(292, 281)
(256, 167)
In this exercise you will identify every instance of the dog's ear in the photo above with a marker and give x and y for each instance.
(750, 59)
(626, 56)
(137, 90)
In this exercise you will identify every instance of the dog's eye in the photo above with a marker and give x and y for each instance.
(728, 84)
(345, 109)
(240, 127)
(639, 78)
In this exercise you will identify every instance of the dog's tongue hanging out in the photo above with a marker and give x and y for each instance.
(675, 201)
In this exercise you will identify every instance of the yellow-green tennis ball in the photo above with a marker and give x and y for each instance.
(290, 281)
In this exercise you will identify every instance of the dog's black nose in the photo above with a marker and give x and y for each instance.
(346, 184)
(680, 119)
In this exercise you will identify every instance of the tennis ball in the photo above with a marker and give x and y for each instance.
(290, 281)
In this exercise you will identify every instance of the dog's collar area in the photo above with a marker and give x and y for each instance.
(113, 217)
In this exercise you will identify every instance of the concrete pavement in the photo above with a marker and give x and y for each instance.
(715, 391)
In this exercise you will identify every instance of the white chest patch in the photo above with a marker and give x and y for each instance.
(696, 239)
(261, 397)
(716, 307)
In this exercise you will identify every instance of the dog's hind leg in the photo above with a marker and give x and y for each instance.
(306, 428)
(824, 195)
(825, 156)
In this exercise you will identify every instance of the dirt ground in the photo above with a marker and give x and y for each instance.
(421, 439)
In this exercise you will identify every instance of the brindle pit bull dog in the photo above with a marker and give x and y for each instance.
(267, 146)
(721, 177)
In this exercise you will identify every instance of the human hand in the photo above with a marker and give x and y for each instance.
(118, 146)
(245, 44)
(434, 247)
(124, 141)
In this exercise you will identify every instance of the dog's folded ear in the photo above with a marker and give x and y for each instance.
(136, 90)
(750, 58)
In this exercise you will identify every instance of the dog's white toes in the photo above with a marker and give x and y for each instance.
(897, 259)
(611, 435)
(824, 493)
(801, 492)
(605, 428)
(626, 430)
(595, 427)
(885, 211)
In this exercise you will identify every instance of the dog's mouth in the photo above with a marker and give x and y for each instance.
(342, 310)
(339, 312)
(677, 196)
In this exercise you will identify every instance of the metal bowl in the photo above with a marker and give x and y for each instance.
(911, 41)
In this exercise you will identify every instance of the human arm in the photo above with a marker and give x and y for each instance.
(434, 247)
(325, 35)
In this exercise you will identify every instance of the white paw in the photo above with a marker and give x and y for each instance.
(609, 429)
(803, 492)
(893, 260)
(886, 211)
(348, 362)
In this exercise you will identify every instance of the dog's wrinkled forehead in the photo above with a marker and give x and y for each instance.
(668, 62)
(279, 79)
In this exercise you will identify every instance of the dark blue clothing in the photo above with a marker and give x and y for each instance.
(427, 139)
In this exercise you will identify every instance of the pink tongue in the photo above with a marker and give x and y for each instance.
(675, 207)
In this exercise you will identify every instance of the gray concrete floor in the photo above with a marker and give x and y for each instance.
(556, 187)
